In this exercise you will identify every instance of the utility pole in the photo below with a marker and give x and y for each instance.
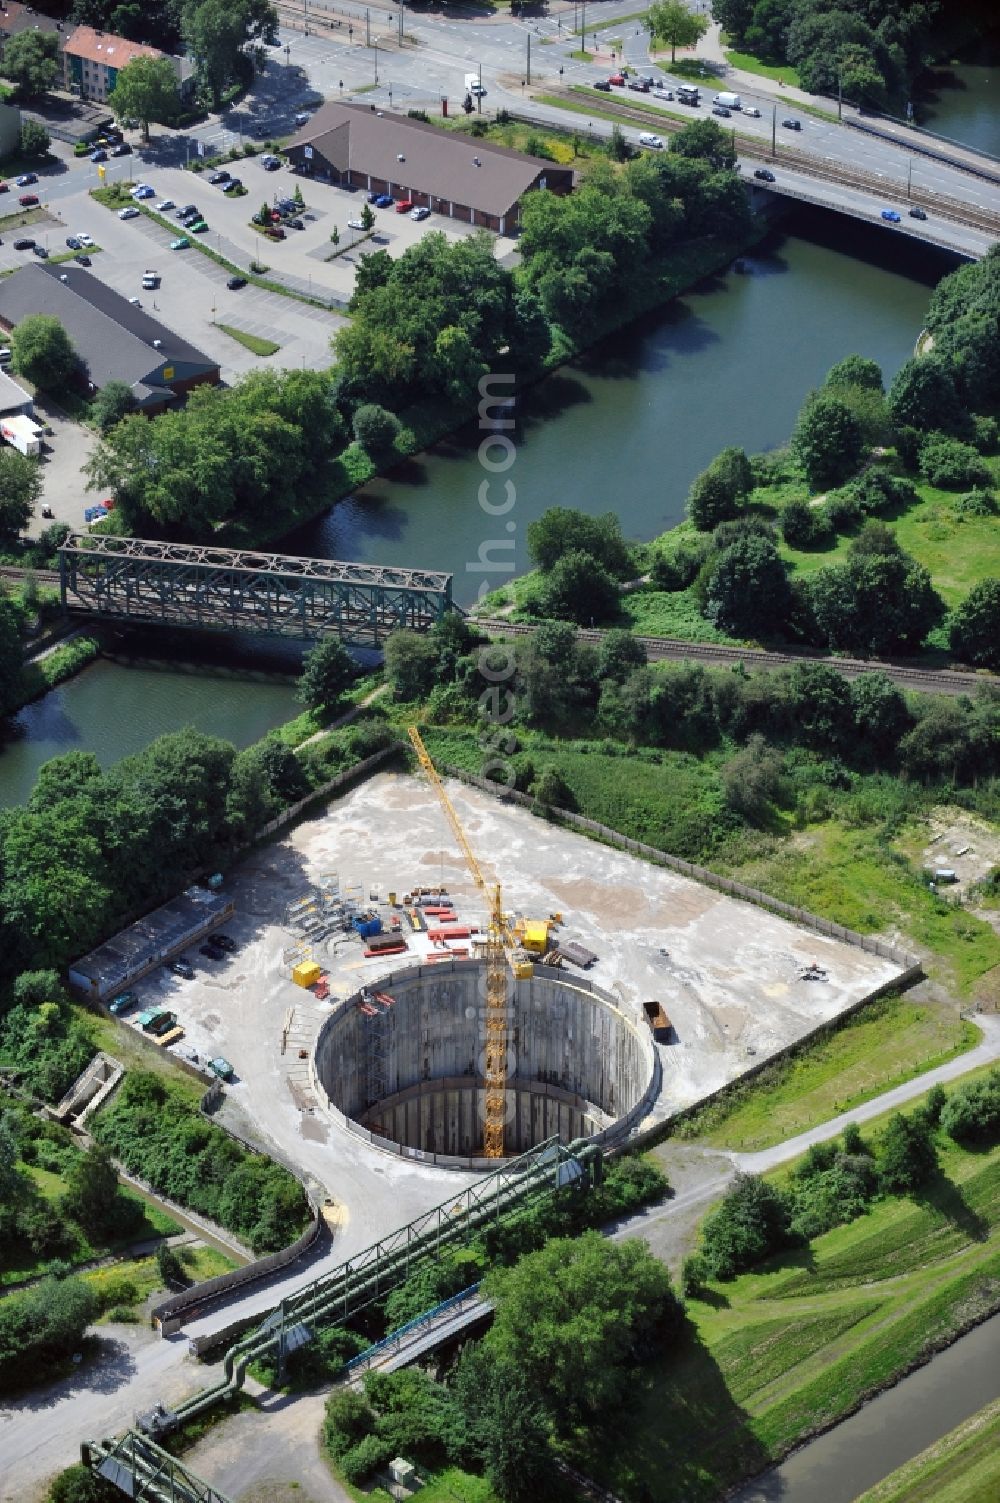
(368, 28)
(583, 25)
(479, 96)
(376, 62)
(774, 131)
(401, 22)
(840, 98)
(909, 175)
(528, 72)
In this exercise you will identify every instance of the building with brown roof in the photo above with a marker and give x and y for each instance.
(449, 172)
(15, 18)
(93, 59)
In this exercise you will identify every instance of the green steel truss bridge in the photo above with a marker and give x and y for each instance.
(138, 1467)
(152, 583)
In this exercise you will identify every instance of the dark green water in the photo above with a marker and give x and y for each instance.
(628, 428)
(625, 430)
(967, 106)
(114, 708)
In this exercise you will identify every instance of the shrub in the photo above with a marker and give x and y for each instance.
(751, 1223)
(694, 1275)
(375, 428)
(907, 1157)
(976, 503)
(951, 464)
(974, 629)
(719, 491)
(349, 1419)
(368, 1456)
(971, 1113)
(843, 511)
(804, 526)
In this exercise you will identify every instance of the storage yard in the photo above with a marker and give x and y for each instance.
(379, 1033)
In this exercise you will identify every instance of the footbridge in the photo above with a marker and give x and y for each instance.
(144, 582)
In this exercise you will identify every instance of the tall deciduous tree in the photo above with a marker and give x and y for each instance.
(827, 440)
(20, 487)
(217, 33)
(43, 351)
(145, 90)
(975, 625)
(327, 671)
(31, 62)
(670, 21)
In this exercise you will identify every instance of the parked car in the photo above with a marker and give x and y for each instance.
(187, 209)
(764, 173)
(26, 200)
(355, 224)
(135, 302)
(233, 184)
(41, 252)
(235, 283)
(84, 239)
(287, 205)
(891, 215)
(82, 260)
(603, 85)
(24, 245)
(752, 111)
(420, 212)
(181, 967)
(128, 213)
(199, 227)
(181, 243)
(100, 155)
(664, 93)
(123, 149)
(222, 176)
(143, 191)
(648, 139)
(73, 243)
(26, 179)
(792, 124)
(404, 205)
(384, 200)
(164, 206)
(917, 213)
(4, 187)
(302, 118)
(270, 163)
(211, 952)
(618, 79)
(150, 279)
(221, 1067)
(224, 942)
(296, 223)
(123, 1003)
(720, 109)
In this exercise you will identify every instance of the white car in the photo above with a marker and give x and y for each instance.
(420, 213)
(167, 203)
(355, 224)
(647, 139)
(128, 213)
(135, 302)
(751, 111)
(84, 239)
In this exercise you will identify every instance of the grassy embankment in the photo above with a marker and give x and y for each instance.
(889, 1042)
(962, 1467)
(786, 1351)
(252, 342)
(844, 866)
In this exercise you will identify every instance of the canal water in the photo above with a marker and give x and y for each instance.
(117, 707)
(627, 428)
(966, 106)
(894, 1427)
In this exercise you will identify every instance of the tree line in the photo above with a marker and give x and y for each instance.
(871, 51)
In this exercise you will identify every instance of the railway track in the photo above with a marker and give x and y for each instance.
(791, 157)
(919, 680)
(42, 576)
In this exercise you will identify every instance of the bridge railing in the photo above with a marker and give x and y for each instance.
(396, 1338)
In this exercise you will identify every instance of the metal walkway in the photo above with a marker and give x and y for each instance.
(224, 589)
(418, 1337)
(141, 1469)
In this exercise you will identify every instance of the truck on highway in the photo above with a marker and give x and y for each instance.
(728, 101)
(688, 94)
(22, 434)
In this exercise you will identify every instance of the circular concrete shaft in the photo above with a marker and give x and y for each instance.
(402, 1060)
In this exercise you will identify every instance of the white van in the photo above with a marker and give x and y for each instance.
(728, 101)
(473, 85)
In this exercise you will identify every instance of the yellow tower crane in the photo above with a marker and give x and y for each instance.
(498, 943)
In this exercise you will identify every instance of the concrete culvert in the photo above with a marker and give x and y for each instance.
(407, 1070)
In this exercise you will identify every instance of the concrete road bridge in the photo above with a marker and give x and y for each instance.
(142, 582)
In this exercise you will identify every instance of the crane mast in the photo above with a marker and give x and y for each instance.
(498, 941)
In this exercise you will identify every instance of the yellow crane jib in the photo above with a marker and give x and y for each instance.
(498, 941)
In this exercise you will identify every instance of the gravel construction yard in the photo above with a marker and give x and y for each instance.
(730, 978)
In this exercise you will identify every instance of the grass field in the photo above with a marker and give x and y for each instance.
(852, 875)
(891, 1041)
(963, 1467)
(747, 63)
(779, 1354)
(252, 342)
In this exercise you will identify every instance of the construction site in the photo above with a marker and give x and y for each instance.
(386, 998)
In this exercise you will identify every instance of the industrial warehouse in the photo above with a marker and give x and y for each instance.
(457, 175)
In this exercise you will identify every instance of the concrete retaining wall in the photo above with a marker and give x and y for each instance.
(579, 1066)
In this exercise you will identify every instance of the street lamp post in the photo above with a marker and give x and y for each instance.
(909, 175)
(774, 131)
(368, 28)
(376, 62)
